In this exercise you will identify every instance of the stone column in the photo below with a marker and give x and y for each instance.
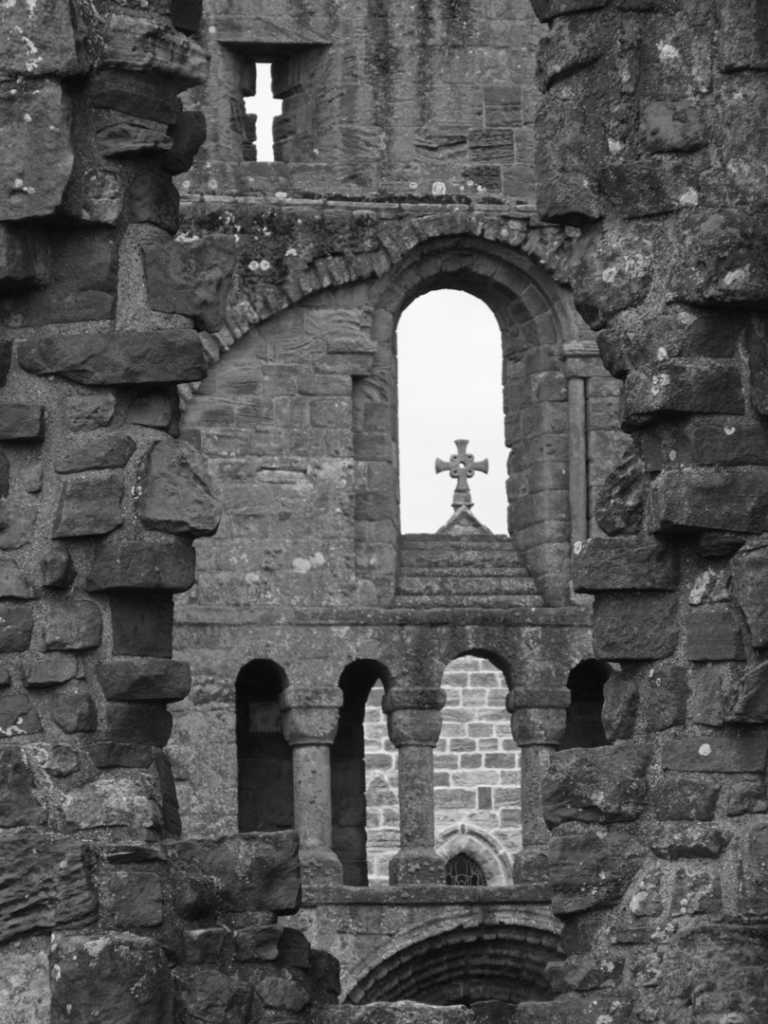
(310, 720)
(413, 720)
(538, 724)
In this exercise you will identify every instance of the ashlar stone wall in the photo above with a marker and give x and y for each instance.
(476, 780)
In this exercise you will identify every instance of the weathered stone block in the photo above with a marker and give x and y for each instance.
(89, 507)
(682, 798)
(698, 841)
(749, 569)
(721, 259)
(138, 43)
(191, 278)
(15, 627)
(602, 784)
(126, 976)
(673, 125)
(49, 669)
(109, 452)
(712, 634)
(691, 499)
(615, 272)
(74, 710)
(20, 421)
(86, 412)
(19, 804)
(56, 568)
(176, 492)
(681, 386)
(144, 679)
(142, 624)
(635, 627)
(36, 155)
(25, 984)
(620, 704)
(727, 441)
(636, 563)
(547, 10)
(745, 696)
(131, 898)
(590, 868)
(14, 584)
(187, 136)
(138, 723)
(252, 871)
(143, 563)
(663, 696)
(743, 35)
(122, 357)
(746, 797)
(156, 409)
(400, 1012)
(205, 993)
(620, 500)
(72, 625)
(742, 750)
(753, 883)
(46, 886)
(17, 716)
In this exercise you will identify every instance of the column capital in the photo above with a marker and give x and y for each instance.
(413, 715)
(310, 714)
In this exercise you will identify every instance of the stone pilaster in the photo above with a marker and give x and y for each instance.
(414, 728)
(310, 720)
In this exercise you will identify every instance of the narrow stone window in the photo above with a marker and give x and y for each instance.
(265, 108)
(584, 725)
(449, 386)
(464, 870)
(348, 774)
(264, 763)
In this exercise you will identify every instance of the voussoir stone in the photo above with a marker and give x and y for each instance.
(153, 562)
(144, 679)
(176, 492)
(120, 357)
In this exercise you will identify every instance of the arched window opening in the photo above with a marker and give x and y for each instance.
(477, 762)
(348, 775)
(382, 806)
(462, 869)
(449, 386)
(264, 763)
(583, 724)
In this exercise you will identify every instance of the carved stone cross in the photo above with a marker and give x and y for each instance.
(461, 467)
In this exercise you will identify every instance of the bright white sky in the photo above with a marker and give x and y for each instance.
(449, 386)
(449, 367)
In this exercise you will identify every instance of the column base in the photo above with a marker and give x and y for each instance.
(416, 867)
(320, 867)
(531, 865)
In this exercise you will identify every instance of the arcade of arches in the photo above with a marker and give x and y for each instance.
(254, 764)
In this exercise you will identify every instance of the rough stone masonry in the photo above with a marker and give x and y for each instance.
(199, 398)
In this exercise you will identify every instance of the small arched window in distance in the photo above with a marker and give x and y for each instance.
(264, 761)
(584, 724)
(462, 869)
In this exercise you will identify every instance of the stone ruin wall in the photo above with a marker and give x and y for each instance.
(651, 154)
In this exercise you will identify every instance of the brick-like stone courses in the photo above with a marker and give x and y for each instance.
(648, 139)
(476, 779)
(375, 99)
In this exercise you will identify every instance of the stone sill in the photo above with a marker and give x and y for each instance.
(426, 895)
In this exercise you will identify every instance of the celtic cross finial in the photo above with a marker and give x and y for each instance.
(461, 467)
